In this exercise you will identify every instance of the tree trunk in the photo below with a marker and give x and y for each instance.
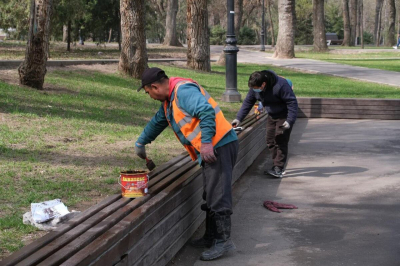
(118, 13)
(65, 33)
(33, 69)
(362, 23)
(133, 59)
(69, 36)
(377, 28)
(198, 39)
(285, 43)
(222, 58)
(238, 15)
(271, 23)
(171, 38)
(346, 24)
(319, 26)
(353, 21)
(391, 36)
(109, 35)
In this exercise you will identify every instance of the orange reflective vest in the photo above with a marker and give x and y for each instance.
(190, 126)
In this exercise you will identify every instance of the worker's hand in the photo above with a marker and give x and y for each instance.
(235, 123)
(207, 153)
(140, 150)
(285, 125)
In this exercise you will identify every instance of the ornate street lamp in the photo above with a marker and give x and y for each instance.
(231, 93)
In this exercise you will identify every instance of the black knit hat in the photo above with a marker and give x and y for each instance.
(151, 75)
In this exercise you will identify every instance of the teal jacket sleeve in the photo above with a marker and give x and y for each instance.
(154, 128)
(194, 103)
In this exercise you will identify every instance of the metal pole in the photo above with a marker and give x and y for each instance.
(262, 30)
(231, 93)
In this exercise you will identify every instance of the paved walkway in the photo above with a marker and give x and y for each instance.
(315, 66)
(344, 175)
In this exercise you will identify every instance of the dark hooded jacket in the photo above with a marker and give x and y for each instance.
(278, 99)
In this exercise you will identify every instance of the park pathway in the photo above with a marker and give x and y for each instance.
(315, 66)
(344, 176)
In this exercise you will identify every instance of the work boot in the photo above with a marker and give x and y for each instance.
(222, 242)
(206, 240)
(276, 171)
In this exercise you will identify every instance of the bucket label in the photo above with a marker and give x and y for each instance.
(134, 184)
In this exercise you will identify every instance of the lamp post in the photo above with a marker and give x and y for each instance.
(262, 48)
(231, 94)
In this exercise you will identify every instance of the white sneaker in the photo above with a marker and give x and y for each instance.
(394, 47)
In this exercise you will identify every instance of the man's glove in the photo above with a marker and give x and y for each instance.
(235, 123)
(140, 150)
(285, 126)
(207, 153)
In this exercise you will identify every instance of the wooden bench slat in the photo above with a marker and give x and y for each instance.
(156, 225)
(348, 107)
(169, 237)
(86, 238)
(33, 247)
(72, 234)
(348, 101)
(344, 110)
(101, 244)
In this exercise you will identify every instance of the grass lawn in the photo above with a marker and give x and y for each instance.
(71, 140)
(389, 60)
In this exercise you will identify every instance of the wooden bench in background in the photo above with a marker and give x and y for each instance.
(349, 108)
(145, 231)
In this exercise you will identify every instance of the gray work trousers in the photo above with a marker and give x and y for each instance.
(217, 179)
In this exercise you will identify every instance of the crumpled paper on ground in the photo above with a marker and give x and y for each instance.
(47, 210)
(48, 215)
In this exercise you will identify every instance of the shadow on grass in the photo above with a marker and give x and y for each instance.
(52, 157)
(122, 105)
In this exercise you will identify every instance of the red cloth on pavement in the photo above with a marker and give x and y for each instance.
(274, 206)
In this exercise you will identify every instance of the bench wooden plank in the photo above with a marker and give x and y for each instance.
(180, 241)
(95, 231)
(137, 216)
(157, 225)
(349, 116)
(72, 234)
(348, 101)
(348, 107)
(326, 110)
(169, 237)
(33, 247)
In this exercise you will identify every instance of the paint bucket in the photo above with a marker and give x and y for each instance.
(134, 184)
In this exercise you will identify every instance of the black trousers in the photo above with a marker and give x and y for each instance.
(217, 179)
(278, 140)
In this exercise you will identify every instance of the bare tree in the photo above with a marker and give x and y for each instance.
(391, 36)
(285, 43)
(198, 39)
(353, 21)
(378, 21)
(361, 18)
(171, 38)
(238, 16)
(65, 33)
(319, 26)
(33, 69)
(133, 59)
(346, 24)
(271, 23)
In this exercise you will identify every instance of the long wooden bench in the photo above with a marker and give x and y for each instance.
(145, 231)
(349, 108)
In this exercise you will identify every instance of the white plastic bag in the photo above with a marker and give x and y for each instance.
(47, 210)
